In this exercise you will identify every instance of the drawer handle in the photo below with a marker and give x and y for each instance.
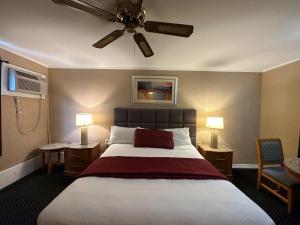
(77, 167)
(220, 159)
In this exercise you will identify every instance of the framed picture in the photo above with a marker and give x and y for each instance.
(154, 90)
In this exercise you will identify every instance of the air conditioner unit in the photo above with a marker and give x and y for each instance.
(16, 81)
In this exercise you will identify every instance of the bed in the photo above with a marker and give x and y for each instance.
(118, 201)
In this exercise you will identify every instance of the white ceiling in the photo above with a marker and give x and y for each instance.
(229, 35)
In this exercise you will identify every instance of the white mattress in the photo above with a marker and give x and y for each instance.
(115, 201)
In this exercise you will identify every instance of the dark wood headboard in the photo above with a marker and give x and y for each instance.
(157, 118)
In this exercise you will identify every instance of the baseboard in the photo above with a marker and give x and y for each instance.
(244, 166)
(20, 170)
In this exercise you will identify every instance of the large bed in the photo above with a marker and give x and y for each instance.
(118, 201)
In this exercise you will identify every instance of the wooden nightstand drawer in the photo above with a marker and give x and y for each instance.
(78, 157)
(75, 155)
(220, 158)
(77, 166)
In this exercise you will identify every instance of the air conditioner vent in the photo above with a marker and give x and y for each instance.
(27, 75)
(29, 85)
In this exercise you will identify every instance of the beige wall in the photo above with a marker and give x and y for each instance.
(251, 106)
(17, 147)
(280, 106)
(235, 96)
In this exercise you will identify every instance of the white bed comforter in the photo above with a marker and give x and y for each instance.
(115, 201)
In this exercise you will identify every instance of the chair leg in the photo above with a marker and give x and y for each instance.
(49, 163)
(43, 160)
(258, 181)
(58, 157)
(290, 200)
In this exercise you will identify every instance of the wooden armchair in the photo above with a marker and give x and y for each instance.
(270, 166)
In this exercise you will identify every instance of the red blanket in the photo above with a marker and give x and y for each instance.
(152, 168)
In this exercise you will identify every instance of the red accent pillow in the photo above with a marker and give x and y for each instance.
(153, 138)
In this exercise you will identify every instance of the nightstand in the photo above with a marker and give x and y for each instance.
(221, 158)
(78, 157)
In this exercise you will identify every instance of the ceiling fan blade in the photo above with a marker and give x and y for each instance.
(175, 29)
(84, 6)
(143, 44)
(109, 39)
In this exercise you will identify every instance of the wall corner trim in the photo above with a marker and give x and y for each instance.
(20, 170)
(281, 65)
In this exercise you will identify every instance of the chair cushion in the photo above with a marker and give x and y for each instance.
(280, 174)
(271, 152)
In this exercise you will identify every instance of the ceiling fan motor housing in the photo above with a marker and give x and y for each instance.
(129, 15)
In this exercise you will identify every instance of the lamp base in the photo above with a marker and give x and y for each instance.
(214, 139)
(84, 136)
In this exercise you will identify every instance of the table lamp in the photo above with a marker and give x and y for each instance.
(214, 123)
(84, 120)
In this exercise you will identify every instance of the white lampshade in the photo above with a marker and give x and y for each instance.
(84, 119)
(215, 122)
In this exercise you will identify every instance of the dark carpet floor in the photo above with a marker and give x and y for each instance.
(245, 180)
(21, 202)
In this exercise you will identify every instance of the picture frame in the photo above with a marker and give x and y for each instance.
(154, 90)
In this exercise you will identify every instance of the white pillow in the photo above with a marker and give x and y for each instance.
(121, 135)
(181, 136)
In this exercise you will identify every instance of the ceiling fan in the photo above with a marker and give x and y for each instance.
(131, 14)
